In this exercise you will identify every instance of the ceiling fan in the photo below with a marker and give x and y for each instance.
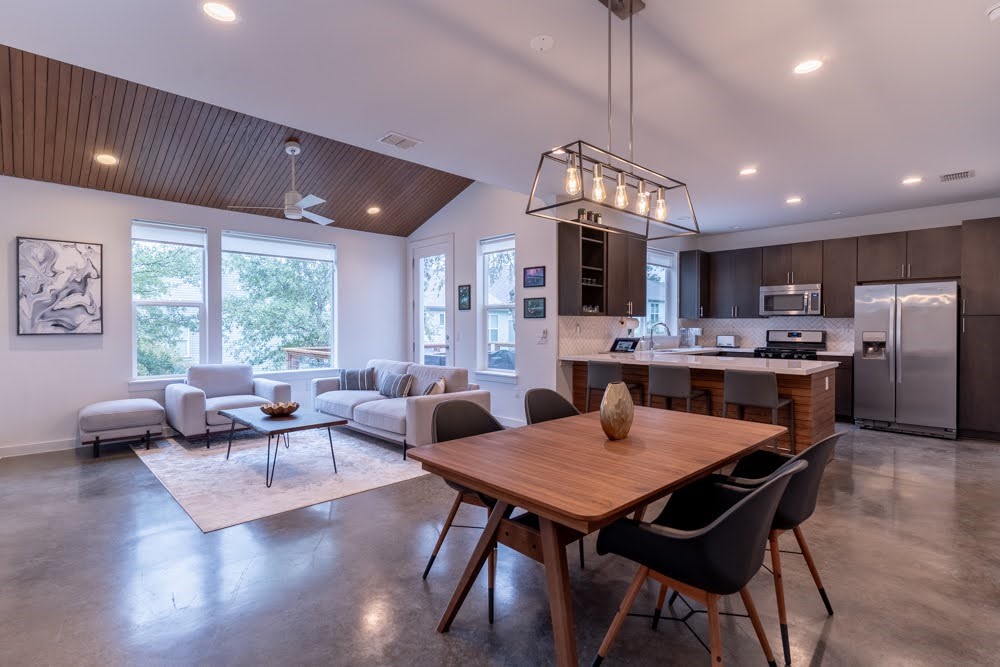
(295, 204)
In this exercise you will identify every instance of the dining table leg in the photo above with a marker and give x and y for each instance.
(560, 600)
(487, 542)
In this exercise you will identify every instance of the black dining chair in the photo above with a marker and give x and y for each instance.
(757, 389)
(542, 405)
(705, 562)
(453, 420)
(797, 504)
(670, 382)
(602, 373)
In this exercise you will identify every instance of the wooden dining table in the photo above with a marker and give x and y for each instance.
(576, 481)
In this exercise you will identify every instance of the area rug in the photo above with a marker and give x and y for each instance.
(218, 493)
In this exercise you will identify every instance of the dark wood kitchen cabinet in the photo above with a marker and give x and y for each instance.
(979, 374)
(625, 276)
(980, 262)
(793, 264)
(582, 257)
(840, 276)
(734, 283)
(934, 253)
(844, 381)
(694, 277)
(882, 257)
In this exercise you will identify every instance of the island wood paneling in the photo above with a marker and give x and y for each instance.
(814, 398)
(55, 116)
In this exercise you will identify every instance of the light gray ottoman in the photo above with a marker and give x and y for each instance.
(126, 419)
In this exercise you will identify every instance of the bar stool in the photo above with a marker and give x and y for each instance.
(757, 389)
(602, 373)
(670, 382)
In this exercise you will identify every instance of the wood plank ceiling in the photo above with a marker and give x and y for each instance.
(54, 117)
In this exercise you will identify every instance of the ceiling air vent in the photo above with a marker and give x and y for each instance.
(400, 141)
(958, 175)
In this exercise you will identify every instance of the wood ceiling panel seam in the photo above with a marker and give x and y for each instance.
(357, 208)
(93, 121)
(139, 110)
(162, 104)
(111, 108)
(223, 120)
(242, 124)
(261, 167)
(82, 121)
(182, 148)
(118, 136)
(199, 151)
(151, 110)
(51, 112)
(19, 101)
(6, 114)
(62, 119)
(72, 124)
(222, 188)
(40, 93)
(181, 106)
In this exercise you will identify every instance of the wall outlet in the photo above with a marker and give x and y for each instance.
(517, 392)
(543, 338)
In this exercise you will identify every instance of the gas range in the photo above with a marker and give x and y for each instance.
(790, 344)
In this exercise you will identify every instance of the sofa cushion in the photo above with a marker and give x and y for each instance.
(358, 380)
(222, 379)
(455, 379)
(342, 403)
(396, 386)
(388, 415)
(385, 366)
(213, 405)
(127, 413)
(434, 388)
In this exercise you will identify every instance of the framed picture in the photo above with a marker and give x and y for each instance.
(60, 287)
(534, 308)
(465, 297)
(534, 276)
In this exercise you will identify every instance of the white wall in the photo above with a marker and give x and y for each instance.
(482, 211)
(46, 379)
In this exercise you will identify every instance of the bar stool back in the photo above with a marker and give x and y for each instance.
(758, 389)
(670, 382)
(602, 373)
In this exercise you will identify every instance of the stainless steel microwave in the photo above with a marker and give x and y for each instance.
(791, 300)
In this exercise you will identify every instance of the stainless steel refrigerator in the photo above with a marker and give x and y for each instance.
(906, 357)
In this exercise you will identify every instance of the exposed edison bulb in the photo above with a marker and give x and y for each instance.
(660, 212)
(598, 193)
(573, 181)
(621, 192)
(642, 205)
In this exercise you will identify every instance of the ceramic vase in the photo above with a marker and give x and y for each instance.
(616, 411)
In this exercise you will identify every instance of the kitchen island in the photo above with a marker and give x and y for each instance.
(811, 384)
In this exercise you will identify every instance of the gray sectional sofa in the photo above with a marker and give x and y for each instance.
(406, 420)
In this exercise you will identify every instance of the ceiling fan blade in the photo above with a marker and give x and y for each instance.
(260, 208)
(309, 200)
(316, 218)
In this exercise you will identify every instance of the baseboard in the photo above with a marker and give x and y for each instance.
(510, 422)
(38, 447)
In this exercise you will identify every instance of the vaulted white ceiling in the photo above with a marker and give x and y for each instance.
(908, 87)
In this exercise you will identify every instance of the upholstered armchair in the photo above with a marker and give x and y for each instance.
(193, 406)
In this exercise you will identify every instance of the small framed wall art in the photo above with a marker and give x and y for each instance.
(465, 297)
(534, 308)
(60, 287)
(534, 276)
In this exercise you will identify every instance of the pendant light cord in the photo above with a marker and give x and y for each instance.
(609, 75)
(631, 104)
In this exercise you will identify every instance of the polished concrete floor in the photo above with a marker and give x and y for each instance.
(99, 566)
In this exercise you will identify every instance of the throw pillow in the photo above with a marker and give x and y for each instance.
(358, 380)
(395, 385)
(436, 387)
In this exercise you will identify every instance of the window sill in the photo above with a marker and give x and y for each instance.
(139, 385)
(504, 377)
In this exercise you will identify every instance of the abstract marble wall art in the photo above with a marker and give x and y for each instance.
(59, 287)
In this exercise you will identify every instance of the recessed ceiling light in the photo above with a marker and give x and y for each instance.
(794, 200)
(106, 159)
(913, 180)
(748, 171)
(808, 66)
(736, 227)
(219, 12)
(374, 210)
(838, 213)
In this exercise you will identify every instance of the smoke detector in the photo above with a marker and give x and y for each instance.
(993, 12)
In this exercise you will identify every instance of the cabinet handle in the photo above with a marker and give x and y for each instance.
(902, 270)
(963, 325)
(907, 270)
(701, 311)
(793, 278)
(788, 278)
(824, 310)
(963, 305)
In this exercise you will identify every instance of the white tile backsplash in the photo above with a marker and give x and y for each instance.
(753, 331)
(588, 334)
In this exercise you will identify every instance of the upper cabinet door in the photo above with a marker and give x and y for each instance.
(777, 261)
(616, 280)
(807, 263)
(747, 278)
(840, 275)
(980, 250)
(637, 277)
(882, 257)
(694, 284)
(934, 253)
(721, 284)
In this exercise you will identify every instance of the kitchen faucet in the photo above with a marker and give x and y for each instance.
(652, 328)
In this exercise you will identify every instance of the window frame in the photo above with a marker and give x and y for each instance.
(669, 315)
(168, 303)
(489, 309)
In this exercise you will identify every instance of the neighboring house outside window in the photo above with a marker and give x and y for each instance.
(661, 292)
(497, 259)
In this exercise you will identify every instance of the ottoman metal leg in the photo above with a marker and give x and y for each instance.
(97, 447)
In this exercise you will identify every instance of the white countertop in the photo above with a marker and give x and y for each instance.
(684, 357)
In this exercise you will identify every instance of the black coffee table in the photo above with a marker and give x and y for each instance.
(302, 419)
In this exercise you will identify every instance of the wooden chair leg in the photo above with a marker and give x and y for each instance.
(586, 407)
(757, 627)
(800, 538)
(580, 542)
(791, 428)
(491, 576)
(444, 531)
(714, 629)
(779, 592)
(659, 604)
(623, 610)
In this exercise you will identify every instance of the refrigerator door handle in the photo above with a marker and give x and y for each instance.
(891, 351)
(899, 340)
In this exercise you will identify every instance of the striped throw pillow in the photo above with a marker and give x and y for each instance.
(436, 387)
(358, 380)
(395, 386)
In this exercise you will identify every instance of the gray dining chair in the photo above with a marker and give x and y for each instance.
(602, 373)
(453, 420)
(709, 561)
(670, 382)
(757, 389)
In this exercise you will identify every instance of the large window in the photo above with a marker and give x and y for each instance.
(277, 302)
(661, 292)
(168, 298)
(498, 285)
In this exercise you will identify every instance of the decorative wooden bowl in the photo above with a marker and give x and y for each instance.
(279, 409)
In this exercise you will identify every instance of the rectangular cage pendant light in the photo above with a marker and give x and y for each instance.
(619, 195)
